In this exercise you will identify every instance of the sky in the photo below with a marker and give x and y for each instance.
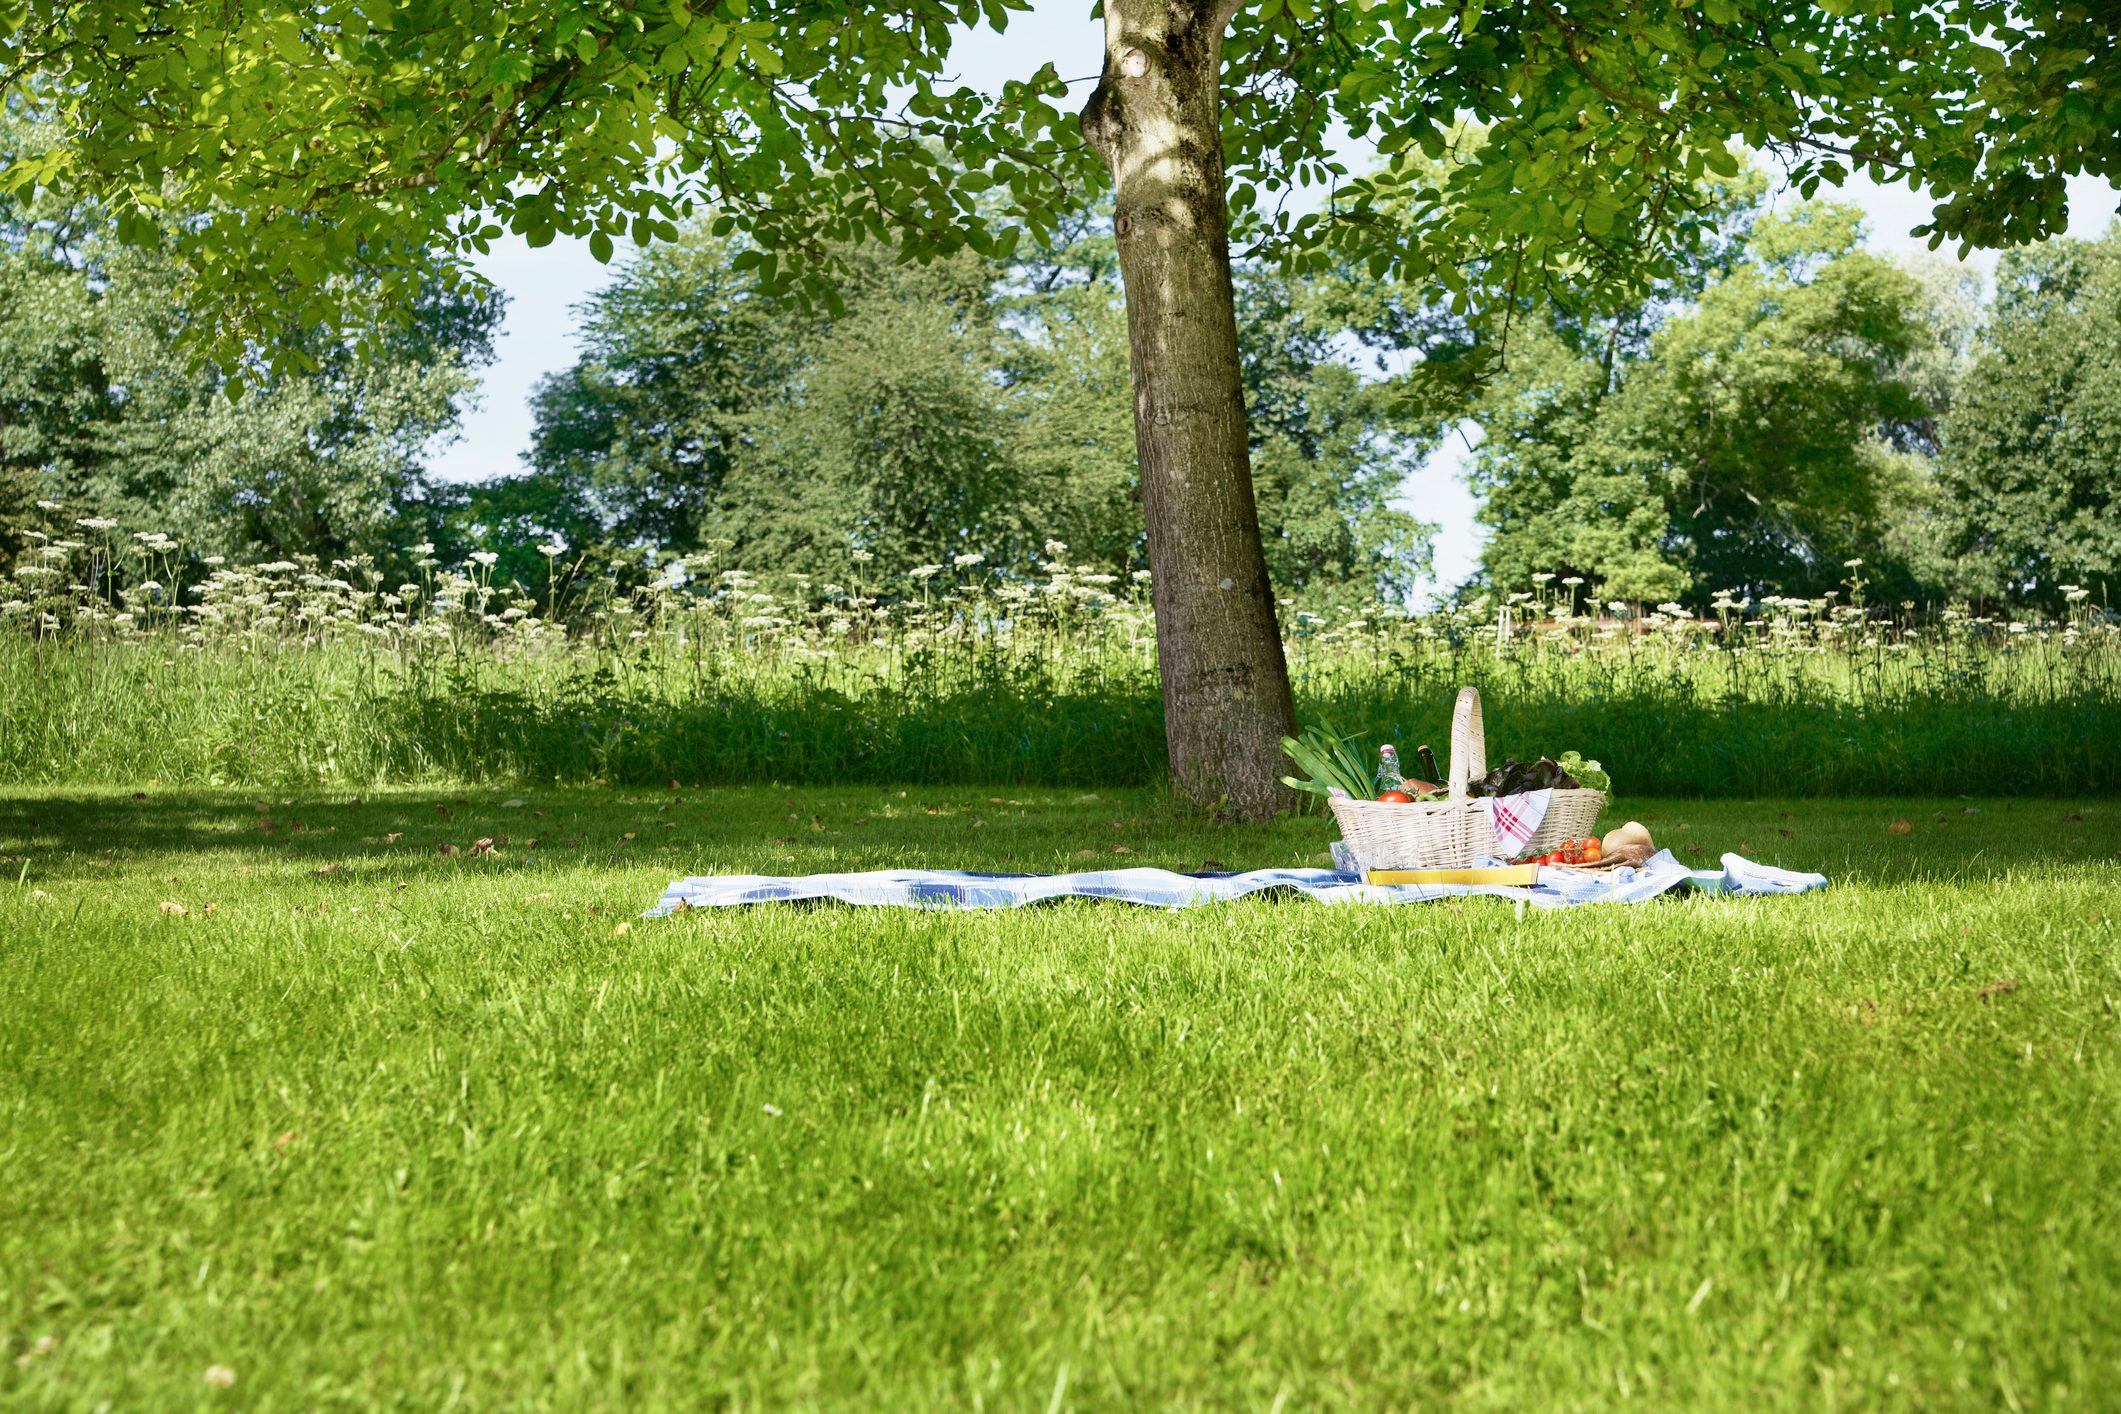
(544, 286)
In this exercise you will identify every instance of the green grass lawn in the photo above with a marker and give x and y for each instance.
(368, 1123)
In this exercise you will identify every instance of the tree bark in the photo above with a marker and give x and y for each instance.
(1155, 117)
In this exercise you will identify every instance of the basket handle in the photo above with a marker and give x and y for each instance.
(1469, 742)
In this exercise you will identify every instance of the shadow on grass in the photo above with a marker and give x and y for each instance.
(90, 832)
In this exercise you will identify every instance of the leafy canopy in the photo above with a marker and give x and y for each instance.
(277, 142)
(1748, 447)
(2031, 461)
(969, 407)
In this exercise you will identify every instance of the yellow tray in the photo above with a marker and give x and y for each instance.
(1495, 874)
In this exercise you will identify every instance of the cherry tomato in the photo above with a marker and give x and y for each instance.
(1395, 797)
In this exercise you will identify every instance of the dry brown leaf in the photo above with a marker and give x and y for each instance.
(446, 848)
(173, 908)
(481, 846)
(1899, 827)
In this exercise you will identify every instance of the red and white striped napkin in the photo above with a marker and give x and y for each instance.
(1515, 819)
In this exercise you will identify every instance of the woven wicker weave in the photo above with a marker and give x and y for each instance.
(1570, 816)
(1454, 833)
(1437, 834)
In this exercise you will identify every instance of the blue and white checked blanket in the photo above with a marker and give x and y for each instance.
(951, 888)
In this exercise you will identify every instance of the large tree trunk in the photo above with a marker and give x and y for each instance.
(1155, 118)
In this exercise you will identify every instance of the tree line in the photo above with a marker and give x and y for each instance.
(1785, 404)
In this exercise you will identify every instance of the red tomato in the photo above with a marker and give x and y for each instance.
(1395, 797)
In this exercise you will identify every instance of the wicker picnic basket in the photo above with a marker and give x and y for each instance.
(1454, 833)
(1570, 816)
(1436, 834)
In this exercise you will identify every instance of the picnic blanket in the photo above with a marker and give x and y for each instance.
(1160, 888)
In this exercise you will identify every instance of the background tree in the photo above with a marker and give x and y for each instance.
(332, 135)
(1747, 446)
(2031, 459)
(968, 406)
(102, 408)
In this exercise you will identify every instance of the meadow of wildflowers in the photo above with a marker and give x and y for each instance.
(124, 658)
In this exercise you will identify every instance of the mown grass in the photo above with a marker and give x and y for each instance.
(369, 1124)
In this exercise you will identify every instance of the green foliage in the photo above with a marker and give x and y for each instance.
(2030, 476)
(101, 409)
(961, 408)
(1745, 448)
(346, 133)
(282, 674)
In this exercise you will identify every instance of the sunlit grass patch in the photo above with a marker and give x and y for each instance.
(368, 1120)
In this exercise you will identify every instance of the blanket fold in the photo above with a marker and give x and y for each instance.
(1161, 888)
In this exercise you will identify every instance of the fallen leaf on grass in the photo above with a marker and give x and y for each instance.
(173, 908)
(1121, 849)
(621, 930)
(863, 821)
(325, 869)
(629, 834)
(511, 805)
(442, 810)
(286, 1138)
(1084, 854)
(1998, 988)
(1899, 827)
(1213, 864)
(446, 848)
(220, 1376)
(785, 839)
(38, 895)
(537, 898)
(393, 837)
(481, 847)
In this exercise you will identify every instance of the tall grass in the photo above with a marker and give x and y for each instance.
(300, 673)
